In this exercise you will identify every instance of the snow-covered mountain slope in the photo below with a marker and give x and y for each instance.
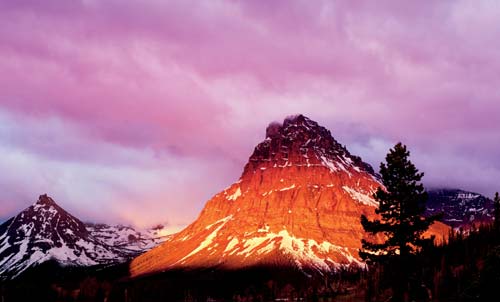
(297, 203)
(460, 208)
(127, 237)
(45, 231)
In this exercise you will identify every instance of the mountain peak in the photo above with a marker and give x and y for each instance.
(293, 124)
(44, 231)
(297, 203)
(300, 141)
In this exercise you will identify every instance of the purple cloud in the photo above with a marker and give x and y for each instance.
(103, 103)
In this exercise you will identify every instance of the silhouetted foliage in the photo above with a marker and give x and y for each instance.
(497, 212)
(466, 268)
(401, 209)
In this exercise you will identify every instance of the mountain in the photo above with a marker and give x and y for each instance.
(460, 208)
(297, 204)
(127, 237)
(45, 231)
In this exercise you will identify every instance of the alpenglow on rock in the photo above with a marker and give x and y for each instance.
(297, 204)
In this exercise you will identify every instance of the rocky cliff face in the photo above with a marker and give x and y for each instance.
(298, 203)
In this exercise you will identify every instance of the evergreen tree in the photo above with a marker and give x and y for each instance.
(401, 209)
(497, 212)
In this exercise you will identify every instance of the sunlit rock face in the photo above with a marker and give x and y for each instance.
(297, 203)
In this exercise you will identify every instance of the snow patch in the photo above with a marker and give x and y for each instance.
(288, 188)
(224, 220)
(231, 244)
(265, 229)
(328, 163)
(252, 244)
(361, 197)
(303, 251)
(209, 239)
(235, 195)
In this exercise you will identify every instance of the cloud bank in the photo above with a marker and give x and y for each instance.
(138, 111)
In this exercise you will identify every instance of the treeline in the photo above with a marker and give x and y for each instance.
(256, 284)
(466, 268)
(52, 282)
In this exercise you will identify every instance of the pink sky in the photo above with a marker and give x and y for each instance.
(139, 111)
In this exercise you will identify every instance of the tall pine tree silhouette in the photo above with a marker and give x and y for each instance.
(401, 209)
(496, 201)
